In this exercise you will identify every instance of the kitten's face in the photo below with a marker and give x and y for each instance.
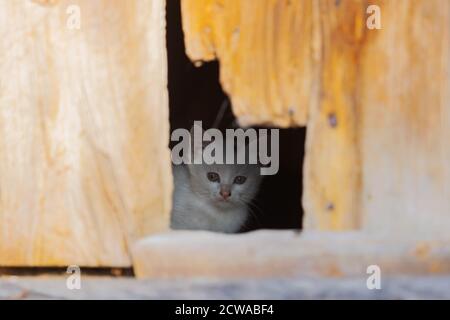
(225, 185)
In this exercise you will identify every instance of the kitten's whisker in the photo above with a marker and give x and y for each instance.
(251, 211)
(247, 223)
(255, 216)
(252, 202)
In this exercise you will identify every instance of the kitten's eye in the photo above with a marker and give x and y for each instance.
(213, 177)
(240, 180)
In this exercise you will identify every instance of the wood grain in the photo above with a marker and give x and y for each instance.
(405, 122)
(287, 254)
(264, 66)
(84, 164)
(375, 102)
(332, 167)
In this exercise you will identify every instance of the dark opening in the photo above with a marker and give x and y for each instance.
(195, 93)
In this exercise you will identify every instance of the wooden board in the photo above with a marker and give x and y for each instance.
(405, 120)
(84, 165)
(264, 66)
(376, 102)
(378, 148)
(287, 254)
(332, 185)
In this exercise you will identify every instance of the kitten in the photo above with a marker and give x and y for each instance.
(213, 197)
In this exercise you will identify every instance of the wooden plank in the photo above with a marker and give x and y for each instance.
(309, 49)
(264, 66)
(272, 254)
(405, 124)
(332, 186)
(300, 288)
(378, 156)
(84, 164)
(377, 144)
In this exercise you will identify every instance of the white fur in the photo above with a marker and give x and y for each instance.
(197, 204)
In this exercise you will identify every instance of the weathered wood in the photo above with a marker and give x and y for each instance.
(264, 66)
(391, 126)
(377, 101)
(100, 288)
(84, 164)
(404, 93)
(332, 186)
(305, 48)
(264, 254)
(378, 152)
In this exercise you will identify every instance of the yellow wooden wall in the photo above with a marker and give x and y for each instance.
(375, 102)
(84, 165)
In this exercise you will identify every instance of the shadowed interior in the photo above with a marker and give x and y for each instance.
(195, 93)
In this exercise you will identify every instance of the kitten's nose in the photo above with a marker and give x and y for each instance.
(225, 193)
